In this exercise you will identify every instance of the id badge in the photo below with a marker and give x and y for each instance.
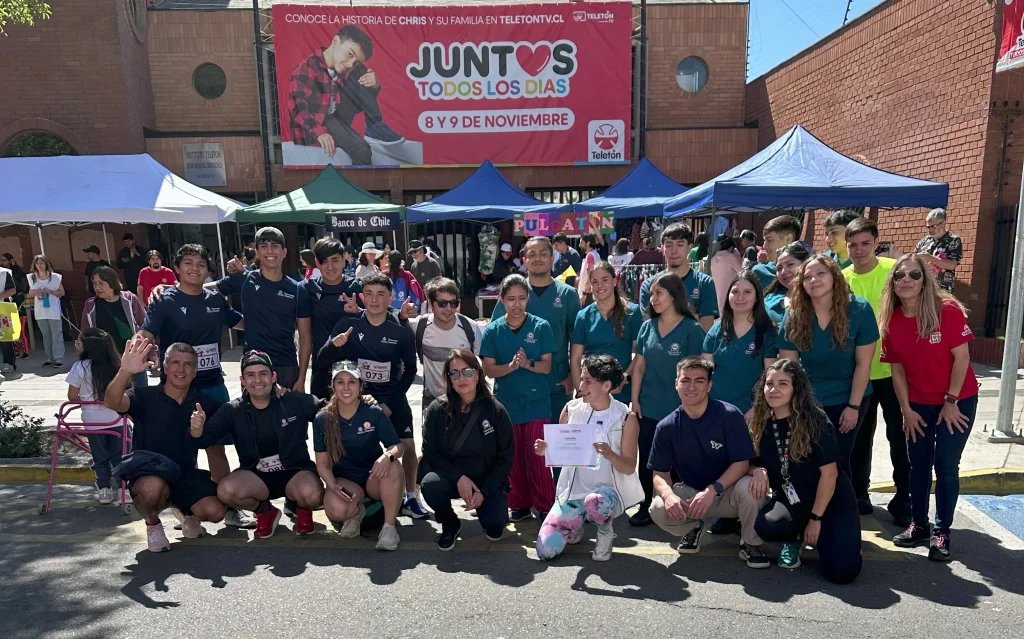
(209, 356)
(791, 495)
(270, 464)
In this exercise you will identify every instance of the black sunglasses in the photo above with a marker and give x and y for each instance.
(914, 275)
(465, 372)
(446, 303)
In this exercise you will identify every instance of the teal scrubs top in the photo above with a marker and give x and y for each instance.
(700, 292)
(558, 306)
(838, 260)
(775, 303)
(597, 335)
(765, 273)
(523, 393)
(738, 364)
(658, 395)
(830, 368)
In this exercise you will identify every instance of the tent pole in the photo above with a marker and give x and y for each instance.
(223, 273)
(42, 249)
(394, 240)
(106, 245)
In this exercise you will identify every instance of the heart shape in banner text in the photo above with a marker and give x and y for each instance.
(533, 60)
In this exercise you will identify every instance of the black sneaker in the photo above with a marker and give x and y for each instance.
(725, 526)
(754, 557)
(382, 134)
(690, 543)
(864, 506)
(913, 536)
(290, 508)
(520, 514)
(938, 548)
(900, 510)
(641, 518)
(447, 539)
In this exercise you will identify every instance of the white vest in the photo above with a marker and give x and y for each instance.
(627, 486)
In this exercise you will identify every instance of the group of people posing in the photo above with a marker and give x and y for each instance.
(756, 416)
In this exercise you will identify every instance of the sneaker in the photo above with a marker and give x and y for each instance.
(690, 543)
(46, 363)
(520, 514)
(290, 507)
(603, 549)
(382, 134)
(864, 507)
(497, 537)
(6, 368)
(58, 364)
(914, 535)
(754, 557)
(304, 522)
(388, 538)
(239, 519)
(725, 526)
(790, 555)
(413, 508)
(447, 539)
(576, 538)
(938, 548)
(900, 510)
(191, 528)
(105, 496)
(350, 529)
(156, 539)
(640, 518)
(266, 523)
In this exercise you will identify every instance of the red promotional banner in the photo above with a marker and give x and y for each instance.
(437, 85)
(1011, 49)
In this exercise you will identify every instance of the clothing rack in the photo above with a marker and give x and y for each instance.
(632, 277)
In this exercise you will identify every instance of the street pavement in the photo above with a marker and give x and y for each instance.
(82, 570)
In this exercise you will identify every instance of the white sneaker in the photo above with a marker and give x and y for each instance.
(239, 519)
(575, 539)
(350, 529)
(105, 496)
(603, 550)
(191, 528)
(156, 539)
(388, 538)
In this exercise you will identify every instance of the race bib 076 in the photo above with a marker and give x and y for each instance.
(377, 372)
(209, 356)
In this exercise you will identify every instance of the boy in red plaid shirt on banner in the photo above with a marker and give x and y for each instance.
(326, 92)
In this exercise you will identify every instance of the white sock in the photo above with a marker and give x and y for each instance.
(410, 495)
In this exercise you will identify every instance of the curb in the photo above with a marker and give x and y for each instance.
(38, 474)
(987, 481)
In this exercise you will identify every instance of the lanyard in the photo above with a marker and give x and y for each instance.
(782, 449)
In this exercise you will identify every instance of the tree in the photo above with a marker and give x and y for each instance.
(22, 12)
(38, 144)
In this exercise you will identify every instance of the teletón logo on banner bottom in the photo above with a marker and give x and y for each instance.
(363, 221)
(569, 223)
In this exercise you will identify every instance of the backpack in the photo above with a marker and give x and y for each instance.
(465, 322)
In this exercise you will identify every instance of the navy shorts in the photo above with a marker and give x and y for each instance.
(193, 486)
(277, 481)
(401, 415)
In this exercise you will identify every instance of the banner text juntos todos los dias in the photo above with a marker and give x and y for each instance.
(407, 85)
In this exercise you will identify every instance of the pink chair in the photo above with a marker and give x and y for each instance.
(73, 431)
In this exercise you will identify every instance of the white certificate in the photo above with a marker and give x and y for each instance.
(571, 444)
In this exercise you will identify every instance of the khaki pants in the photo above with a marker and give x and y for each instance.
(735, 502)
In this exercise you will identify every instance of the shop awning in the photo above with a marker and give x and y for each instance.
(329, 192)
(799, 171)
(640, 193)
(484, 195)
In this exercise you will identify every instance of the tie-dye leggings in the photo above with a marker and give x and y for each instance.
(565, 520)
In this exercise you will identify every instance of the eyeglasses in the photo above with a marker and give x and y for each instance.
(446, 303)
(914, 275)
(465, 372)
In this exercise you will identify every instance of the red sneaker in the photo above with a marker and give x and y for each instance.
(266, 523)
(303, 522)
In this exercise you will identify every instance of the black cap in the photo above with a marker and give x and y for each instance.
(92, 248)
(256, 358)
(127, 236)
(416, 245)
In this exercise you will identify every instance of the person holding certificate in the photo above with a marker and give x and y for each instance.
(608, 486)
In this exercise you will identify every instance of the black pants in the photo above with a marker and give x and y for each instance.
(320, 384)
(644, 444)
(846, 440)
(355, 98)
(287, 375)
(885, 395)
(7, 350)
(438, 492)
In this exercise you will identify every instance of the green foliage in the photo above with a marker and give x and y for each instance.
(22, 12)
(35, 145)
(21, 435)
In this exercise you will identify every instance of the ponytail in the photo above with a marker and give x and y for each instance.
(332, 430)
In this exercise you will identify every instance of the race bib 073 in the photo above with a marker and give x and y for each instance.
(377, 372)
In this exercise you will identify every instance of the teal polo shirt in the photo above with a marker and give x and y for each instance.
(597, 335)
(558, 305)
(775, 303)
(700, 293)
(829, 367)
(658, 396)
(524, 393)
(765, 273)
(739, 364)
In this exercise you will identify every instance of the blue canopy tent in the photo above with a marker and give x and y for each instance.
(640, 193)
(484, 195)
(799, 171)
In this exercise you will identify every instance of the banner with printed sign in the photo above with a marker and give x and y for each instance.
(577, 223)
(1011, 48)
(454, 85)
(363, 222)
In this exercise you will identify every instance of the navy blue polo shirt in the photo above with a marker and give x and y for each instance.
(161, 425)
(699, 450)
(361, 437)
(196, 320)
(324, 304)
(271, 310)
(385, 354)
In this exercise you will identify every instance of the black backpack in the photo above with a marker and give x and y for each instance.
(465, 322)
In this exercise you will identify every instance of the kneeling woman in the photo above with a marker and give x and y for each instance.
(347, 439)
(812, 499)
(604, 491)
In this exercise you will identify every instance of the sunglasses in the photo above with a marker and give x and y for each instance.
(465, 372)
(346, 365)
(914, 275)
(446, 303)
(932, 227)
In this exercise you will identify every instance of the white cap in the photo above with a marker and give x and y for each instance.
(506, 248)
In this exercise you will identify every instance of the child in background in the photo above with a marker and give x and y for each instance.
(87, 380)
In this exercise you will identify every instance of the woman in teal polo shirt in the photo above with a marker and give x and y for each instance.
(609, 326)
(516, 353)
(741, 344)
(672, 333)
(787, 264)
(838, 357)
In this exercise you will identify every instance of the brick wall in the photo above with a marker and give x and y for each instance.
(905, 88)
(693, 156)
(243, 160)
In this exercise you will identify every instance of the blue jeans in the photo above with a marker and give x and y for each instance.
(941, 450)
(106, 454)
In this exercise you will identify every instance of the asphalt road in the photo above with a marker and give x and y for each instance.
(82, 571)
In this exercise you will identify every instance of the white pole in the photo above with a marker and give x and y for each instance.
(106, 245)
(1014, 324)
(42, 249)
(223, 273)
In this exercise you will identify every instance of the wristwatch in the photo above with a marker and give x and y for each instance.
(950, 399)
(719, 489)
(390, 457)
(532, 362)
(854, 407)
(814, 517)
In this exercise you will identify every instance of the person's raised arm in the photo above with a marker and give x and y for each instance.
(133, 361)
(214, 427)
(333, 349)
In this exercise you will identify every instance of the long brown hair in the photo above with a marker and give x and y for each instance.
(800, 320)
(46, 261)
(929, 301)
(452, 397)
(332, 423)
(619, 309)
(806, 417)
